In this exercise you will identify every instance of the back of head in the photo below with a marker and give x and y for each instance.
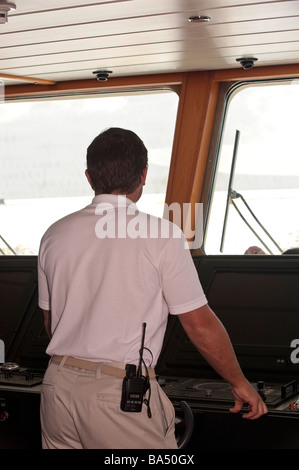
(116, 159)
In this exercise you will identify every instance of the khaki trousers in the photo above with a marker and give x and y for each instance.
(80, 409)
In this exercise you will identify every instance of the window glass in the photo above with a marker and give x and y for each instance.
(43, 157)
(258, 166)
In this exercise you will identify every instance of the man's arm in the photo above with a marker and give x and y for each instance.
(47, 322)
(211, 339)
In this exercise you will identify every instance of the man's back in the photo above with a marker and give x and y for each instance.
(110, 268)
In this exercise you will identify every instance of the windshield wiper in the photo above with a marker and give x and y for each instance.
(231, 195)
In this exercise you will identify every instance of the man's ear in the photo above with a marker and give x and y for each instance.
(88, 177)
(143, 176)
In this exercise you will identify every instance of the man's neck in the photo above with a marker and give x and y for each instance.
(134, 197)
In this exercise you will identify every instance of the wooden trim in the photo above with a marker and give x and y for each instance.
(192, 106)
(257, 73)
(195, 120)
(36, 81)
(84, 86)
(207, 128)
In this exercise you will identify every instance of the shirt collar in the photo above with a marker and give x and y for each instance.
(116, 200)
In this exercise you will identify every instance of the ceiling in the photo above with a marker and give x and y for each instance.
(62, 40)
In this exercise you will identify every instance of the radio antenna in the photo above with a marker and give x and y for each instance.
(139, 371)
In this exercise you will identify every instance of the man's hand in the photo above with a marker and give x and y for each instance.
(211, 339)
(247, 394)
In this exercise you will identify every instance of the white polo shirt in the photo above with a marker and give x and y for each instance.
(105, 270)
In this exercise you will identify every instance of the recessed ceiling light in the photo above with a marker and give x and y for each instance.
(199, 19)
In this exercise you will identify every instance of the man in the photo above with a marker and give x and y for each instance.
(106, 273)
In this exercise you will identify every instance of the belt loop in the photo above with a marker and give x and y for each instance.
(98, 371)
(62, 363)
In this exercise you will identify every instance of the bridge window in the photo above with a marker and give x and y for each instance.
(43, 156)
(255, 196)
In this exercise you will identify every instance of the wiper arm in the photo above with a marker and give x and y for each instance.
(231, 195)
(235, 195)
(230, 185)
(8, 246)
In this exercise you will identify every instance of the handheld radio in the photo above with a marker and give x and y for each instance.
(134, 384)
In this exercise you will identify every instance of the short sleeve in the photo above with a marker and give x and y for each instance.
(43, 291)
(180, 283)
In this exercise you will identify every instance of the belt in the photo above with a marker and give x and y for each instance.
(105, 368)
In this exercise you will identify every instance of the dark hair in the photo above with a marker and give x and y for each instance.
(116, 159)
